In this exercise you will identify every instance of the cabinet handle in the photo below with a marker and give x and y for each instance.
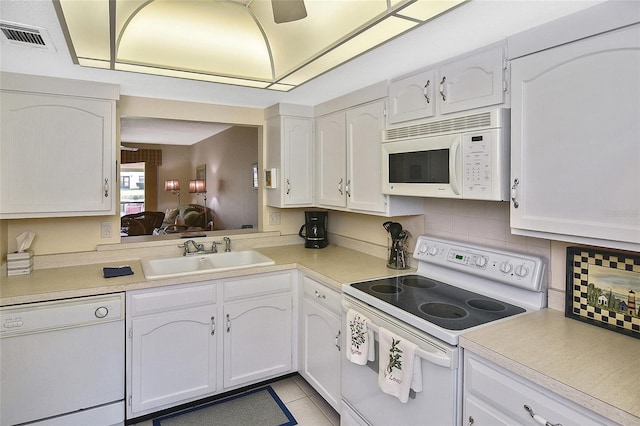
(514, 193)
(228, 323)
(288, 187)
(338, 340)
(347, 190)
(444, 97)
(425, 91)
(106, 187)
(470, 422)
(340, 186)
(539, 419)
(319, 295)
(213, 325)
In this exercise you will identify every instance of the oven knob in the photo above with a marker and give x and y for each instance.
(102, 312)
(423, 248)
(506, 267)
(481, 261)
(521, 270)
(432, 251)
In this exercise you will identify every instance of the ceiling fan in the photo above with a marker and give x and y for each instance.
(128, 148)
(288, 10)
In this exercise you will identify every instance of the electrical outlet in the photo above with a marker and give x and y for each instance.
(274, 218)
(106, 230)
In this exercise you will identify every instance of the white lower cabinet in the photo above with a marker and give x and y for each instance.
(493, 396)
(172, 347)
(320, 340)
(258, 334)
(190, 341)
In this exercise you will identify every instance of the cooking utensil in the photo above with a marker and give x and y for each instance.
(395, 229)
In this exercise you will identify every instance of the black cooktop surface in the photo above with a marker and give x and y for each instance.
(444, 305)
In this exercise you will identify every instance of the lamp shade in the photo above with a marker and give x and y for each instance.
(172, 185)
(197, 186)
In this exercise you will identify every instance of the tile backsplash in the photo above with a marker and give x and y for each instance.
(485, 223)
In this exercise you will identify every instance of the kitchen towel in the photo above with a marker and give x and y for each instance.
(360, 339)
(400, 369)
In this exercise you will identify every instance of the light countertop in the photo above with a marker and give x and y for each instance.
(333, 265)
(591, 366)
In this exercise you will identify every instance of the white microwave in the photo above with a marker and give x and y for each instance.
(469, 159)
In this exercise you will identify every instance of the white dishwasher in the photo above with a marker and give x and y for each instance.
(62, 362)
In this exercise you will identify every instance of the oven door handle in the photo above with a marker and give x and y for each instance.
(435, 358)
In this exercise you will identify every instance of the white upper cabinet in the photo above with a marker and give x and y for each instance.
(364, 165)
(331, 160)
(57, 148)
(575, 141)
(290, 153)
(348, 163)
(413, 97)
(472, 81)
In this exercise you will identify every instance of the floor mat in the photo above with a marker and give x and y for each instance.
(259, 407)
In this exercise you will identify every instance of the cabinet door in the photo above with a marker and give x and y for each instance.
(257, 339)
(298, 161)
(321, 351)
(56, 156)
(364, 174)
(575, 133)
(474, 81)
(412, 98)
(331, 160)
(173, 358)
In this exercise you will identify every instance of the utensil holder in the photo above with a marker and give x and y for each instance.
(397, 249)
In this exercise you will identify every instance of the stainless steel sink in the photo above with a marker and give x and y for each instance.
(205, 263)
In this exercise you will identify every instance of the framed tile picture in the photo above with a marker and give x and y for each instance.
(603, 289)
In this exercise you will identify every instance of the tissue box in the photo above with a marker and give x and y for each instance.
(20, 263)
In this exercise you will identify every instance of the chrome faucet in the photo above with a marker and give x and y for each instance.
(198, 247)
(227, 244)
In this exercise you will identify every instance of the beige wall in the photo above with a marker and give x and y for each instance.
(229, 157)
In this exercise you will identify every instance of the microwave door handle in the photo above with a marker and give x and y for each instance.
(453, 165)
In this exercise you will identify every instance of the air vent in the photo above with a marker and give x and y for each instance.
(457, 124)
(23, 35)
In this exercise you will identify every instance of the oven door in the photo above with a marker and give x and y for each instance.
(365, 404)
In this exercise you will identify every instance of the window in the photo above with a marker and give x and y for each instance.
(125, 182)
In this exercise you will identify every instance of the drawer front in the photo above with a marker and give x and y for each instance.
(152, 301)
(256, 285)
(322, 294)
(505, 396)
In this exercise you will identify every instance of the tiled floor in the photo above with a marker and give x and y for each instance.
(308, 408)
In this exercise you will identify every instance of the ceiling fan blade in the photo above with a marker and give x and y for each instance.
(128, 148)
(288, 10)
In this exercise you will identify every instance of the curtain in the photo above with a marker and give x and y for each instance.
(147, 156)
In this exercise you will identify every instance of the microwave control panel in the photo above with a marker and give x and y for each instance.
(484, 165)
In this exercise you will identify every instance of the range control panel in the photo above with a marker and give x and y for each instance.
(516, 269)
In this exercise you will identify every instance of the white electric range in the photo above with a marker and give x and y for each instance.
(457, 287)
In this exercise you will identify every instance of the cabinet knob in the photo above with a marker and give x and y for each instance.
(288, 186)
(514, 193)
(106, 187)
(340, 186)
(470, 422)
(539, 419)
(319, 295)
(444, 96)
(425, 91)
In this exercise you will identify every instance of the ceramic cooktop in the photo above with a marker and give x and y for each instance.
(444, 305)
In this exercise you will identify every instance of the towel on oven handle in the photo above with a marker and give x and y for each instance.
(400, 368)
(360, 339)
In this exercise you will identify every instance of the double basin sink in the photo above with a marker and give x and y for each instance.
(203, 263)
